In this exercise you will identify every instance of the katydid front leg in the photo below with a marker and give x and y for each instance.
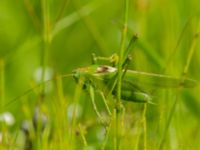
(92, 96)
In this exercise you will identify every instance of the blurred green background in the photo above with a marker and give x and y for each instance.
(78, 28)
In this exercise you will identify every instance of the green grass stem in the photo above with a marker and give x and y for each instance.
(172, 111)
(83, 137)
(46, 40)
(144, 127)
(76, 99)
(119, 77)
(2, 84)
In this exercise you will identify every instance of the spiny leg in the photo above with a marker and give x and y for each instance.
(92, 96)
(105, 102)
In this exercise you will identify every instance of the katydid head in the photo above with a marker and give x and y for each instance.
(77, 75)
(82, 76)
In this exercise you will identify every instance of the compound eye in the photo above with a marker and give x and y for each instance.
(105, 69)
(102, 69)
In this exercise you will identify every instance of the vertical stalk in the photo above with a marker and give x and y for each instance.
(2, 84)
(83, 137)
(107, 132)
(62, 9)
(145, 127)
(119, 78)
(44, 56)
(172, 111)
(2, 103)
(74, 119)
(188, 61)
(46, 40)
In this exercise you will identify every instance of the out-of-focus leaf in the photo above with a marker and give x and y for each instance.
(151, 53)
(192, 104)
(74, 17)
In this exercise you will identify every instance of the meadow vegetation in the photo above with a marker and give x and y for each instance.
(43, 41)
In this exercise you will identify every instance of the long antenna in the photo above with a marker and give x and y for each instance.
(31, 89)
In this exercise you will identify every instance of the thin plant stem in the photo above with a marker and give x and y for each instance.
(46, 40)
(164, 69)
(108, 131)
(59, 89)
(62, 104)
(136, 140)
(172, 111)
(74, 118)
(2, 83)
(92, 29)
(32, 14)
(119, 77)
(115, 128)
(44, 59)
(190, 54)
(74, 17)
(83, 137)
(61, 11)
(171, 57)
(145, 127)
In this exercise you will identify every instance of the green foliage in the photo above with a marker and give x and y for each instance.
(44, 40)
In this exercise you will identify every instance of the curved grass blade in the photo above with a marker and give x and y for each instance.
(74, 17)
